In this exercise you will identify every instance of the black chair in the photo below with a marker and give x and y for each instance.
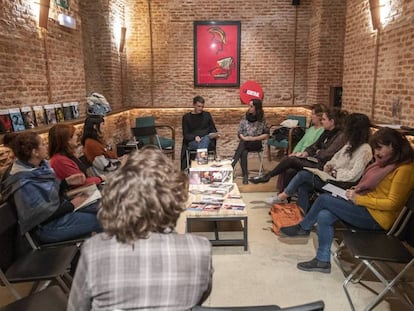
(375, 250)
(44, 264)
(313, 306)
(49, 299)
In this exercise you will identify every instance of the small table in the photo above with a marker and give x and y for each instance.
(220, 215)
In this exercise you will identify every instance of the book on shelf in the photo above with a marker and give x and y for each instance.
(202, 156)
(59, 113)
(90, 190)
(50, 114)
(17, 119)
(5, 121)
(28, 117)
(67, 111)
(75, 110)
(39, 113)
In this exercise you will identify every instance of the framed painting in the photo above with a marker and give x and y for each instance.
(217, 53)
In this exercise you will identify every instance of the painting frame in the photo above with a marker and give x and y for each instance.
(217, 53)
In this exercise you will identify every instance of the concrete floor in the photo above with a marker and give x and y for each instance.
(267, 273)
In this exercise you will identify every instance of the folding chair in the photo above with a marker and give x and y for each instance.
(37, 264)
(376, 249)
(49, 299)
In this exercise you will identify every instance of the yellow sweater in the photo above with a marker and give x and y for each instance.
(389, 197)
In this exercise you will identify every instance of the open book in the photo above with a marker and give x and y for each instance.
(91, 190)
(322, 174)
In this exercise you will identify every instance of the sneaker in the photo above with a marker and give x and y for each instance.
(315, 265)
(294, 231)
(274, 199)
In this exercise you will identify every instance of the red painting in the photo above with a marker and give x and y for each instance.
(217, 53)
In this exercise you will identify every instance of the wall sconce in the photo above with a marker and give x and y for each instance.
(374, 6)
(122, 39)
(44, 13)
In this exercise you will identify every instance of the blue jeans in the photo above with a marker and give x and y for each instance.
(202, 144)
(304, 183)
(326, 211)
(70, 226)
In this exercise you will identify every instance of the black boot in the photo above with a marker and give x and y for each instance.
(259, 180)
(245, 180)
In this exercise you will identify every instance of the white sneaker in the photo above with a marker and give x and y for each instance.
(274, 199)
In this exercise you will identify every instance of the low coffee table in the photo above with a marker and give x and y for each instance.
(215, 216)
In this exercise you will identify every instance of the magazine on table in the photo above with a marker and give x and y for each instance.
(200, 207)
(234, 204)
(202, 156)
(91, 190)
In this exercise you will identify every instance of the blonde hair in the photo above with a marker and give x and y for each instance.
(147, 194)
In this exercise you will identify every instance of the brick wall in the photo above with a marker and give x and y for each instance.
(371, 86)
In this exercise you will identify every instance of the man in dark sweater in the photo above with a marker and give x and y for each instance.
(198, 129)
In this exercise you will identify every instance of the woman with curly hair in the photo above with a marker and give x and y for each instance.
(139, 260)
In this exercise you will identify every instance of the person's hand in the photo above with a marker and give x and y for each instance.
(351, 195)
(76, 179)
(328, 168)
(79, 199)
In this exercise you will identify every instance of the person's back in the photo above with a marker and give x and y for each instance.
(155, 273)
(140, 261)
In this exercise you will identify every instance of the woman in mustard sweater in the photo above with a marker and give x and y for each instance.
(374, 204)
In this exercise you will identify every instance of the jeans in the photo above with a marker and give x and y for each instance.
(202, 144)
(70, 226)
(326, 211)
(303, 184)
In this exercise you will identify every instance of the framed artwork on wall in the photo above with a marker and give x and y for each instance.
(217, 53)
(63, 3)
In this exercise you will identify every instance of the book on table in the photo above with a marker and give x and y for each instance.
(234, 204)
(202, 156)
(204, 207)
(90, 190)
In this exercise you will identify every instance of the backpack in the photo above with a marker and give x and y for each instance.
(97, 105)
(285, 215)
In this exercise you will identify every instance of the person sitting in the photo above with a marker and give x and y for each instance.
(346, 166)
(93, 141)
(252, 130)
(139, 261)
(40, 197)
(331, 140)
(311, 136)
(374, 203)
(62, 144)
(199, 130)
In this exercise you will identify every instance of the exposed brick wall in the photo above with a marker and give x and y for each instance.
(326, 45)
(395, 78)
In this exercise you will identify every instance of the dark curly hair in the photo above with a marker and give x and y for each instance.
(92, 128)
(23, 144)
(147, 194)
(357, 130)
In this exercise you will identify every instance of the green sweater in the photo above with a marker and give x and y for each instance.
(311, 135)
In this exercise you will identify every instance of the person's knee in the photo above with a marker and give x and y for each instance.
(325, 218)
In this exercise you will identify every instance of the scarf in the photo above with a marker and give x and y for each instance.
(251, 117)
(373, 175)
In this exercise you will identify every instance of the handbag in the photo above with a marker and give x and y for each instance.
(104, 164)
(285, 215)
